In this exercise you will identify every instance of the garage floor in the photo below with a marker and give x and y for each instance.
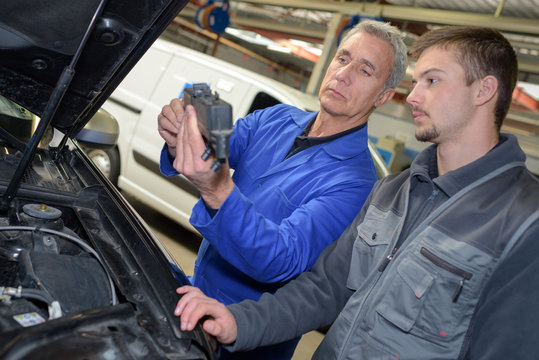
(183, 245)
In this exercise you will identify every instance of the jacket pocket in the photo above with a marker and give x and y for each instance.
(423, 298)
(410, 291)
(282, 204)
(463, 274)
(374, 235)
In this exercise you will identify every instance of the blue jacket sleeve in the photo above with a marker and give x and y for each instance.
(312, 300)
(277, 250)
(268, 251)
(165, 163)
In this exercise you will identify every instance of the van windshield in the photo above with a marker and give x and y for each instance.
(262, 101)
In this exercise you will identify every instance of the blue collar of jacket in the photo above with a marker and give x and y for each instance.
(342, 148)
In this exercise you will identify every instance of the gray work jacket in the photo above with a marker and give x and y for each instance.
(412, 294)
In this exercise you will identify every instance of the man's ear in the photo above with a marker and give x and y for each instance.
(384, 97)
(486, 90)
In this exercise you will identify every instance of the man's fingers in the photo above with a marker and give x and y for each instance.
(212, 327)
(192, 306)
(193, 311)
(182, 154)
(184, 289)
(183, 300)
(218, 320)
(177, 106)
(191, 146)
(222, 325)
(168, 122)
(183, 139)
(194, 137)
(167, 119)
(190, 294)
(171, 115)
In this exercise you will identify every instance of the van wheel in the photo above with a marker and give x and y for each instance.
(107, 161)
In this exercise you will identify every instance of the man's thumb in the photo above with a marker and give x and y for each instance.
(209, 327)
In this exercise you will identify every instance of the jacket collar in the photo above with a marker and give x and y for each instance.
(507, 151)
(343, 148)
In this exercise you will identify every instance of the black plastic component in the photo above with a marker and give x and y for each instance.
(214, 120)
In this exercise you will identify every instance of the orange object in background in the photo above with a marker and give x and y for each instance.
(523, 99)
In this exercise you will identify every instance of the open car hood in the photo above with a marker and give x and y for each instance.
(81, 275)
(39, 40)
(60, 60)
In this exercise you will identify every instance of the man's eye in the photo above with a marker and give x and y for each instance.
(432, 80)
(366, 72)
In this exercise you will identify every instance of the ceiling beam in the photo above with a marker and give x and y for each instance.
(528, 66)
(409, 13)
(242, 21)
(398, 13)
(282, 28)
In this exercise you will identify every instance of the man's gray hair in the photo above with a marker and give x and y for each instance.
(394, 37)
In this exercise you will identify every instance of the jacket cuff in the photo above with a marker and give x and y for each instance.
(241, 343)
(165, 163)
(203, 216)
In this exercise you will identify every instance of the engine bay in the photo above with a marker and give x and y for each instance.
(46, 269)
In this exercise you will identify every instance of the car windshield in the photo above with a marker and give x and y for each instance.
(16, 124)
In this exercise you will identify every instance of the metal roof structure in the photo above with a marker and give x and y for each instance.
(318, 22)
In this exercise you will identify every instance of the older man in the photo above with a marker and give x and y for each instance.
(299, 180)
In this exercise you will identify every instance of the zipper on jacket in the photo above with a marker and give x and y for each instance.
(449, 267)
(386, 261)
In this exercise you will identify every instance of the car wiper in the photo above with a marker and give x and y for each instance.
(48, 113)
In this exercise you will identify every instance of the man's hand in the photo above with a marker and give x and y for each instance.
(194, 305)
(214, 186)
(168, 123)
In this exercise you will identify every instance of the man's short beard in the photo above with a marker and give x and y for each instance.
(427, 135)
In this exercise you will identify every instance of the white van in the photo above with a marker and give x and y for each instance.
(159, 76)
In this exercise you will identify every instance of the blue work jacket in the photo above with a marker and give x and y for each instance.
(281, 213)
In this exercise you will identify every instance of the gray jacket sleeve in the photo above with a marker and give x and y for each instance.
(312, 300)
(505, 323)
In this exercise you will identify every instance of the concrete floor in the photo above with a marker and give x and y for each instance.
(183, 246)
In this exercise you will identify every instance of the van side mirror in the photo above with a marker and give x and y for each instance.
(101, 131)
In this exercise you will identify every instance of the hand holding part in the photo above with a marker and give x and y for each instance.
(214, 185)
(218, 320)
(168, 123)
(214, 117)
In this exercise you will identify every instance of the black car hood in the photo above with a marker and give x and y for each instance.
(38, 40)
(114, 284)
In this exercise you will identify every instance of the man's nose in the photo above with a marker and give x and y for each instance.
(343, 74)
(413, 96)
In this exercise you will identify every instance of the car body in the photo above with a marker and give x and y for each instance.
(161, 75)
(81, 274)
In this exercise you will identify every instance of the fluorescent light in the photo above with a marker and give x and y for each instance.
(279, 48)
